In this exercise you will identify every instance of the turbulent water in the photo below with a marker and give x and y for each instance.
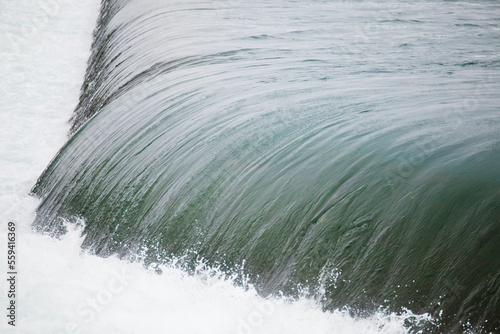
(346, 151)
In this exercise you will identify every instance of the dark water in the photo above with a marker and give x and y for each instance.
(348, 148)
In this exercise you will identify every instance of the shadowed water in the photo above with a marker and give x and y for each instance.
(351, 149)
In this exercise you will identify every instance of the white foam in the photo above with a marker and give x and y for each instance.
(64, 290)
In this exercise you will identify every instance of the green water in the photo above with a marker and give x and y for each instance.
(351, 150)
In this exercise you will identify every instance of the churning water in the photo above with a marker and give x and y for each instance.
(256, 167)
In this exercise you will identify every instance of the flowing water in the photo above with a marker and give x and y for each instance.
(330, 167)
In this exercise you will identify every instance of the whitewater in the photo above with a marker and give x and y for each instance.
(62, 289)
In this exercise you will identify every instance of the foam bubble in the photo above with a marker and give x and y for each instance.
(65, 290)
